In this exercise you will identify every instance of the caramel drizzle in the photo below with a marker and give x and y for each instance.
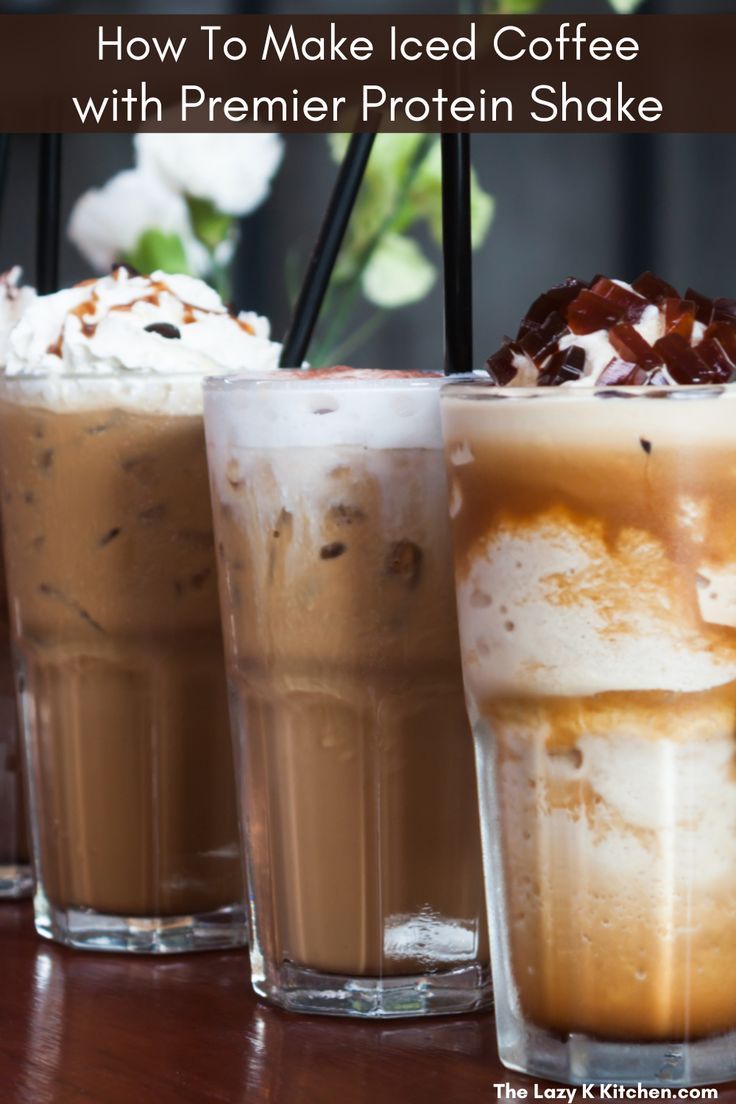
(89, 306)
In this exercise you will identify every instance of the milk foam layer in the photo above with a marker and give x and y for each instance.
(620, 855)
(531, 639)
(556, 606)
(14, 302)
(93, 343)
(369, 409)
(631, 812)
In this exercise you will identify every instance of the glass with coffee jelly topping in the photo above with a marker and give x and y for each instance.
(608, 332)
(593, 497)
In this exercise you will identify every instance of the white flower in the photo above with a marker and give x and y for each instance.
(398, 273)
(231, 171)
(107, 223)
(625, 7)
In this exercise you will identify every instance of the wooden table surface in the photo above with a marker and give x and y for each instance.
(83, 1028)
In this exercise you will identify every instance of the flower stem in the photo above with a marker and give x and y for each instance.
(356, 339)
(346, 295)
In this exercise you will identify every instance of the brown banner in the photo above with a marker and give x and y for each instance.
(403, 73)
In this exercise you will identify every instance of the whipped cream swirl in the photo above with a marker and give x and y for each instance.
(144, 340)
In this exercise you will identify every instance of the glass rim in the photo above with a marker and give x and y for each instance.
(464, 388)
(431, 379)
(124, 376)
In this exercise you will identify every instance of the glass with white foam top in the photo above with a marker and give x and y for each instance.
(595, 558)
(357, 786)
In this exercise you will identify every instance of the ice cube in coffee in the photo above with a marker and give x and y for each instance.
(594, 524)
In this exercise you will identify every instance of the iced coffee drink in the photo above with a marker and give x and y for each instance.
(16, 878)
(594, 514)
(113, 595)
(357, 785)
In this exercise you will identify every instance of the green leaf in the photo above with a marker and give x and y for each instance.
(155, 249)
(210, 225)
(516, 7)
(401, 190)
(426, 199)
(398, 273)
(383, 186)
(482, 210)
(338, 144)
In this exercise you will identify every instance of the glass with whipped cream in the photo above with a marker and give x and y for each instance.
(16, 875)
(593, 498)
(357, 785)
(113, 599)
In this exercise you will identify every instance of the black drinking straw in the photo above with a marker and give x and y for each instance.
(322, 261)
(4, 148)
(457, 254)
(49, 213)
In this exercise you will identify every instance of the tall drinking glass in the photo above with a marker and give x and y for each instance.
(357, 788)
(113, 596)
(595, 556)
(16, 875)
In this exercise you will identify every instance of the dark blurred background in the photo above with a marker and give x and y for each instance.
(565, 204)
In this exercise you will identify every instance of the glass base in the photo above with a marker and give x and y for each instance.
(16, 880)
(87, 930)
(580, 1059)
(445, 993)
